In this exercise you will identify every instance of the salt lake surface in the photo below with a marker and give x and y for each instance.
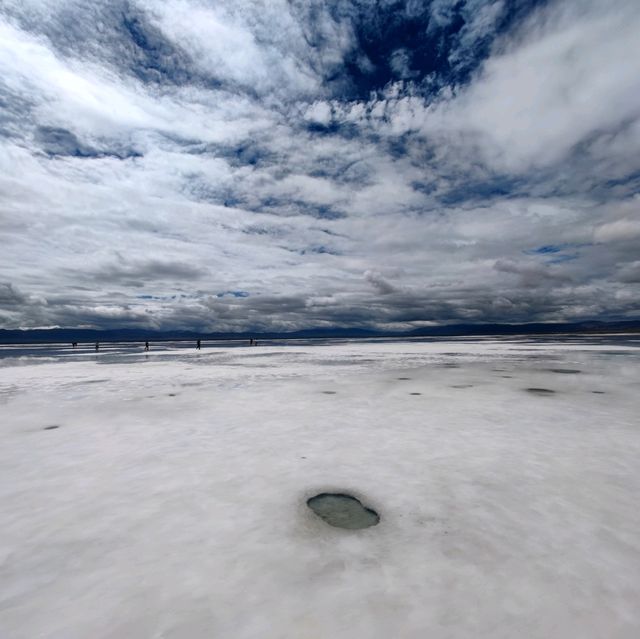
(164, 494)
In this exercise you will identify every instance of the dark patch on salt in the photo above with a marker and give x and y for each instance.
(462, 386)
(540, 391)
(329, 392)
(172, 394)
(343, 511)
(52, 427)
(403, 379)
(598, 392)
(93, 381)
(565, 371)
(415, 393)
(507, 376)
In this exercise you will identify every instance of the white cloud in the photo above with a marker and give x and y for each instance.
(221, 42)
(319, 112)
(570, 71)
(620, 230)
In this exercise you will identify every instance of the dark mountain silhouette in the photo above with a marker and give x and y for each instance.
(17, 336)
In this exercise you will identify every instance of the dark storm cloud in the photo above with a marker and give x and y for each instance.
(341, 163)
(530, 274)
(379, 283)
(136, 273)
(10, 297)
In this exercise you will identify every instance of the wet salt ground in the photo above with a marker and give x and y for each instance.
(186, 515)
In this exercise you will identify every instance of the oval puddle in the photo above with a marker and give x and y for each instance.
(343, 511)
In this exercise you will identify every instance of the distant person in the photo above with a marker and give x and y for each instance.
(146, 346)
(74, 344)
(97, 346)
(255, 342)
(198, 345)
(251, 341)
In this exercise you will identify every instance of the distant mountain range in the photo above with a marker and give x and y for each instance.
(51, 335)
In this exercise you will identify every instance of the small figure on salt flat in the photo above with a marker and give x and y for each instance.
(198, 345)
(146, 346)
(97, 346)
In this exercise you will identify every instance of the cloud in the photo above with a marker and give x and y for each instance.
(565, 77)
(531, 274)
(620, 230)
(340, 164)
(630, 273)
(135, 273)
(11, 297)
(380, 284)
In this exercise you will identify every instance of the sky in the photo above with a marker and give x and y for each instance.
(233, 165)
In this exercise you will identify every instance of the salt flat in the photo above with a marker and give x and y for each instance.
(170, 501)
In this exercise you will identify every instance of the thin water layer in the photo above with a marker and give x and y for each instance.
(343, 511)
